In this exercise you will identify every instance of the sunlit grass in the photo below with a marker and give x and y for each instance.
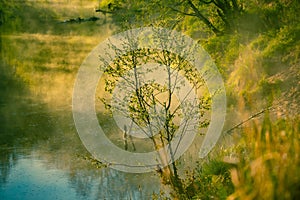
(48, 63)
(269, 161)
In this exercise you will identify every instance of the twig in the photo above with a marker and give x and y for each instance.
(250, 118)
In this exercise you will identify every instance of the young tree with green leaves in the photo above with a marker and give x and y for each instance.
(159, 92)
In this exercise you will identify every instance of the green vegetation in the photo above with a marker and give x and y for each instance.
(255, 45)
(257, 52)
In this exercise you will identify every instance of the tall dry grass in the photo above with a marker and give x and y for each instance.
(270, 164)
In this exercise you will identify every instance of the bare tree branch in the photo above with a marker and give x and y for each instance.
(104, 11)
(202, 18)
(248, 119)
(206, 2)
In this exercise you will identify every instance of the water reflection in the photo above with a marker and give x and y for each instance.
(41, 156)
(32, 178)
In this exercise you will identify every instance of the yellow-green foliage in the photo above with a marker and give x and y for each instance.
(224, 50)
(270, 163)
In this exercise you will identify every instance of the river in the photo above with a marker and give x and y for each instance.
(41, 155)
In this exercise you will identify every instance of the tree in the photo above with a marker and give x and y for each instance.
(219, 16)
(162, 112)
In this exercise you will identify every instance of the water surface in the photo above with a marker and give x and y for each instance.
(42, 156)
